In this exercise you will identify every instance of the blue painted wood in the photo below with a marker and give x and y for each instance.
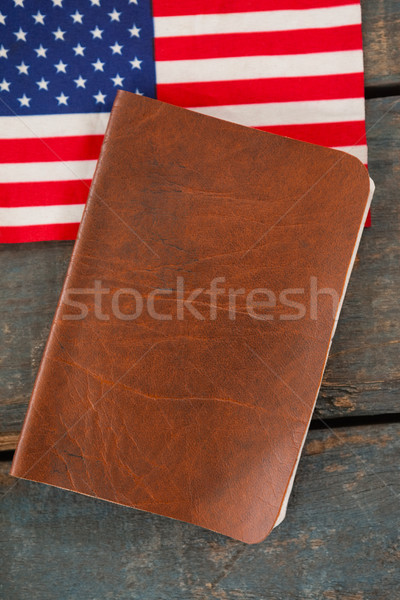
(339, 540)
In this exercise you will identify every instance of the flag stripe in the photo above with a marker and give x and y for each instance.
(348, 133)
(281, 89)
(164, 8)
(38, 233)
(44, 193)
(267, 20)
(40, 215)
(359, 152)
(38, 126)
(259, 43)
(257, 67)
(288, 113)
(42, 171)
(50, 149)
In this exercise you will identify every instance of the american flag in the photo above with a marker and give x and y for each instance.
(292, 67)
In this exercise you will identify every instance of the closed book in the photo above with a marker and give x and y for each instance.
(192, 331)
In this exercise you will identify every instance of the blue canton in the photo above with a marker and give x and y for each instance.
(71, 56)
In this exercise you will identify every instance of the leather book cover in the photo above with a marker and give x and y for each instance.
(192, 331)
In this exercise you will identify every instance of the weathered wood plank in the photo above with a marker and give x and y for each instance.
(362, 376)
(381, 34)
(338, 542)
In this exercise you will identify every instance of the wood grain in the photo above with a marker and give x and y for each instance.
(381, 34)
(338, 541)
(362, 375)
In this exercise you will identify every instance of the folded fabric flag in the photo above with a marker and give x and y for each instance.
(293, 67)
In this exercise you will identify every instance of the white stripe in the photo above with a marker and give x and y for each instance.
(255, 67)
(271, 20)
(41, 215)
(39, 126)
(71, 170)
(289, 113)
(360, 152)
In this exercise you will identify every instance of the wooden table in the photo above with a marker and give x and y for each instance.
(339, 540)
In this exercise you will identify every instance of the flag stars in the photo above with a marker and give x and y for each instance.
(5, 86)
(3, 52)
(59, 35)
(62, 99)
(20, 35)
(79, 50)
(41, 52)
(22, 69)
(39, 18)
(43, 84)
(19, 3)
(134, 31)
(138, 93)
(61, 67)
(118, 80)
(136, 63)
(98, 65)
(114, 15)
(57, 3)
(24, 101)
(77, 17)
(99, 97)
(97, 33)
(2, 18)
(95, 2)
(80, 82)
(116, 49)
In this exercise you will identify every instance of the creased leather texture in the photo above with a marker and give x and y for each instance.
(198, 420)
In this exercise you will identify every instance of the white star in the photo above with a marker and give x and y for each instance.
(19, 3)
(2, 18)
(39, 18)
(21, 35)
(138, 93)
(61, 67)
(117, 79)
(136, 63)
(116, 49)
(41, 51)
(77, 17)
(134, 31)
(133, 1)
(5, 86)
(96, 32)
(114, 15)
(95, 2)
(24, 101)
(23, 69)
(79, 50)
(62, 99)
(59, 35)
(98, 65)
(80, 82)
(99, 97)
(57, 3)
(3, 52)
(43, 84)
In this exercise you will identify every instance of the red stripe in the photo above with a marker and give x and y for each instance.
(253, 91)
(350, 133)
(167, 8)
(43, 193)
(50, 149)
(38, 233)
(262, 43)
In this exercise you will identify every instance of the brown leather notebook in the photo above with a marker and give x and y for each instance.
(192, 331)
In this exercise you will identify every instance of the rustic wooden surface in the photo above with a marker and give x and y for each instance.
(381, 31)
(339, 540)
